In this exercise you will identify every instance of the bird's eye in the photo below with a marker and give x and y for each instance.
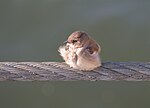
(90, 50)
(74, 41)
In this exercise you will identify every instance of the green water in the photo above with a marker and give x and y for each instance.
(74, 95)
(32, 30)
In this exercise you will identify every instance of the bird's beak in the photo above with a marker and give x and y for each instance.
(65, 42)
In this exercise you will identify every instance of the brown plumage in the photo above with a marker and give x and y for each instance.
(81, 52)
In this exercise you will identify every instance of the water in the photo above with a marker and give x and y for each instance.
(32, 30)
(74, 94)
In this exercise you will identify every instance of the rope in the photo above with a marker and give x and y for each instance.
(59, 71)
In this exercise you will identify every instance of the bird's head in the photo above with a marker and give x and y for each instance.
(78, 39)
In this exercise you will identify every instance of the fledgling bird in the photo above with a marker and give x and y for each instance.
(81, 52)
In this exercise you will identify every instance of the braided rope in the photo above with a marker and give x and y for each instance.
(56, 71)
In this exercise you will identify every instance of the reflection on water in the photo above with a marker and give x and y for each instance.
(33, 30)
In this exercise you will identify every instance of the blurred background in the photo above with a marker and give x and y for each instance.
(32, 30)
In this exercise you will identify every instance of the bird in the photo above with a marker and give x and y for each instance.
(81, 52)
